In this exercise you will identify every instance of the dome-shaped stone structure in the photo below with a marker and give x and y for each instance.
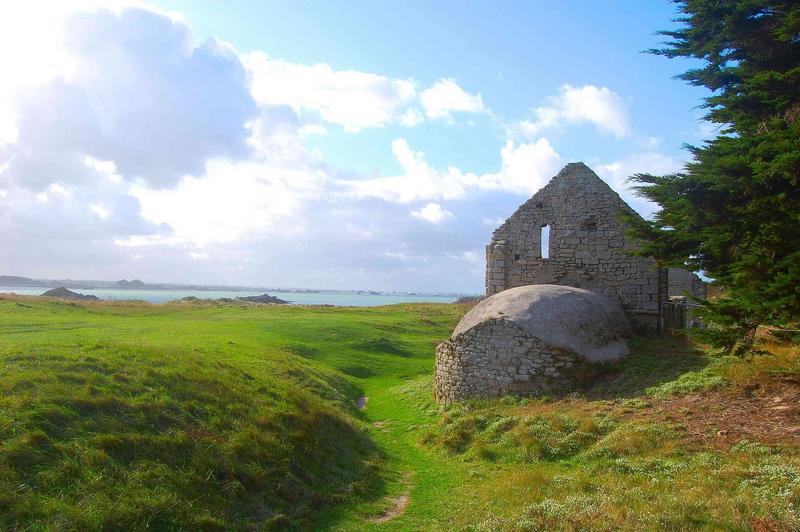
(527, 340)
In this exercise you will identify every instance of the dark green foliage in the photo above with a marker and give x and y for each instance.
(735, 210)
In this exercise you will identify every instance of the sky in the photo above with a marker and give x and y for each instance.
(316, 144)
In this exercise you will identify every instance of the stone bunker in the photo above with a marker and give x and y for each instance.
(528, 340)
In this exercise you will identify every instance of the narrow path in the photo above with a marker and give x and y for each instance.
(396, 505)
(416, 480)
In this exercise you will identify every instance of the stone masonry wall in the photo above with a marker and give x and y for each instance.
(497, 358)
(683, 282)
(588, 247)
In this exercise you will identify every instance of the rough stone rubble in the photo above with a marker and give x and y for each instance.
(512, 343)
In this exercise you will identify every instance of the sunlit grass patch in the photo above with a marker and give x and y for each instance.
(191, 416)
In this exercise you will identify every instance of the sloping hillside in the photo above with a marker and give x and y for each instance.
(238, 417)
(184, 417)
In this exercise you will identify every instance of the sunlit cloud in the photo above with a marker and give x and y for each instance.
(599, 106)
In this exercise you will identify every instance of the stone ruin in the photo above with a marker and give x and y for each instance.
(528, 340)
(569, 234)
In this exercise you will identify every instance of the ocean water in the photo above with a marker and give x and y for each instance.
(350, 299)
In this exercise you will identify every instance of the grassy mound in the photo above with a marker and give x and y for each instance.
(141, 416)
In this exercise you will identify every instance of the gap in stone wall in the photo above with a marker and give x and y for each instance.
(545, 242)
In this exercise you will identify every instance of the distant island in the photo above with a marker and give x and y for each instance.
(263, 298)
(63, 293)
(16, 280)
(134, 283)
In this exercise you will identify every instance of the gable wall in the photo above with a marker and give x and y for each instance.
(588, 246)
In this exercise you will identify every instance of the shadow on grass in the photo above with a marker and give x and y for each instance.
(305, 351)
(360, 372)
(384, 346)
(653, 361)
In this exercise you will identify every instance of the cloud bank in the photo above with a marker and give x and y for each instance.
(140, 152)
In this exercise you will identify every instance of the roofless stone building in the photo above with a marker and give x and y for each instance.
(570, 233)
(563, 287)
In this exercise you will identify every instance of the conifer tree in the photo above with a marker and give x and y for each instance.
(734, 212)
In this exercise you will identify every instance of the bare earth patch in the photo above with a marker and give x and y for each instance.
(762, 413)
(396, 505)
(381, 426)
(361, 402)
(766, 413)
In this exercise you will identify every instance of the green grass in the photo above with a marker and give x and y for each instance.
(136, 416)
(175, 416)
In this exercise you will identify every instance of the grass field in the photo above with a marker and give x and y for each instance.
(211, 417)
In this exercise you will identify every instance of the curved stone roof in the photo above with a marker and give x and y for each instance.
(584, 322)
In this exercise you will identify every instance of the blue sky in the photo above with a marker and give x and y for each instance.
(515, 54)
(316, 144)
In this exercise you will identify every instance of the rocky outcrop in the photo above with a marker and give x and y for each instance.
(264, 299)
(64, 293)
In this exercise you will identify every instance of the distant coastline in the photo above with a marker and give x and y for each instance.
(136, 284)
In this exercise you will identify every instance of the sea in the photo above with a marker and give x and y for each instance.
(337, 298)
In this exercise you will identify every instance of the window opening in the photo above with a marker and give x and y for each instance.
(545, 242)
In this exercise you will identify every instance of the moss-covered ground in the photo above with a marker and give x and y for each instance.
(133, 416)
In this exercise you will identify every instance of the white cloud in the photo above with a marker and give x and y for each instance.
(411, 118)
(446, 97)
(139, 94)
(310, 130)
(525, 169)
(101, 212)
(30, 54)
(618, 172)
(649, 143)
(232, 201)
(576, 105)
(133, 106)
(397, 255)
(101, 140)
(433, 213)
(493, 222)
(419, 181)
(352, 99)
